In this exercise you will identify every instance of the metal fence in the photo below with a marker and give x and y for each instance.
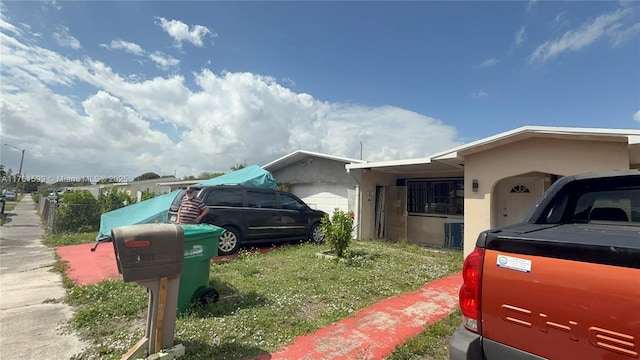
(47, 209)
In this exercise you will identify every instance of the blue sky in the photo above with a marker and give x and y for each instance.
(121, 88)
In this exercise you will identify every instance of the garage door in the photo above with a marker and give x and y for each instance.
(325, 197)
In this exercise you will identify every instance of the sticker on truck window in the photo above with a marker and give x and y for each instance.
(514, 263)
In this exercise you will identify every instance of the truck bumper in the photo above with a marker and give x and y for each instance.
(465, 345)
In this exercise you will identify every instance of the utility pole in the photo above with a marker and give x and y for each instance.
(21, 158)
(21, 161)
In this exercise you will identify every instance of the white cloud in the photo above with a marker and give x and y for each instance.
(560, 20)
(126, 46)
(64, 39)
(480, 94)
(164, 61)
(5, 26)
(636, 116)
(620, 36)
(180, 31)
(51, 3)
(488, 63)
(127, 126)
(532, 5)
(520, 36)
(576, 39)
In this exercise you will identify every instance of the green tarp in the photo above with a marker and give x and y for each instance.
(157, 208)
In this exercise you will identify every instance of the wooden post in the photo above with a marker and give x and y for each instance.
(162, 304)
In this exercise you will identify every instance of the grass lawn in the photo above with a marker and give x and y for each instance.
(267, 300)
(432, 343)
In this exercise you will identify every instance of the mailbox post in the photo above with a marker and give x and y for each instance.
(151, 255)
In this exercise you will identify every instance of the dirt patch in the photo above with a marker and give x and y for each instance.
(311, 310)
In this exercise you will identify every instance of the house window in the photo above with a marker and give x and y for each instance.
(438, 196)
(520, 189)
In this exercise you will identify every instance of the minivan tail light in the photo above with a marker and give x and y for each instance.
(470, 290)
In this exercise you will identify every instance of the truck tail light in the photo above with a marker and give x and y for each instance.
(470, 290)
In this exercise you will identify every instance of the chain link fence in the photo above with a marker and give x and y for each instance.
(83, 217)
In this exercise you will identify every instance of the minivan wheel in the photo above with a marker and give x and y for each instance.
(316, 235)
(229, 241)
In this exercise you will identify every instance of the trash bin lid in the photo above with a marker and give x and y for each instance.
(191, 230)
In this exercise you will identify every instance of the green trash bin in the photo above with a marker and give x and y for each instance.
(200, 245)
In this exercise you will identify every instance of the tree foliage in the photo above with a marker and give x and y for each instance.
(239, 166)
(146, 195)
(207, 175)
(147, 176)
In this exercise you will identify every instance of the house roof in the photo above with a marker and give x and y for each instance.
(454, 157)
(152, 181)
(301, 155)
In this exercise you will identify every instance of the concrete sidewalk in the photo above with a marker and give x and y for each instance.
(32, 313)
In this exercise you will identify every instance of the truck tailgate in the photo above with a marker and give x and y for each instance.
(561, 309)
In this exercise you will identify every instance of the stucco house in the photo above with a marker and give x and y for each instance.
(318, 179)
(455, 194)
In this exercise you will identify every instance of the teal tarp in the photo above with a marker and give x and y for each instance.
(144, 212)
(157, 208)
(252, 175)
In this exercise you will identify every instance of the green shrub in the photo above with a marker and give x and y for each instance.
(78, 211)
(113, 199)
(146, 195)
(337, 230)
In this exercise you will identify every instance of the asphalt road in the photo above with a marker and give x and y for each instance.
(33, 316)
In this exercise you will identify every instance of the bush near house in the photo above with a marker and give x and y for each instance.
(337, 231)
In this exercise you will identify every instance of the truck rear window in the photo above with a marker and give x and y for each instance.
(618, 205)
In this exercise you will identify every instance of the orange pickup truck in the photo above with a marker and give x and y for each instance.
(564, 284)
